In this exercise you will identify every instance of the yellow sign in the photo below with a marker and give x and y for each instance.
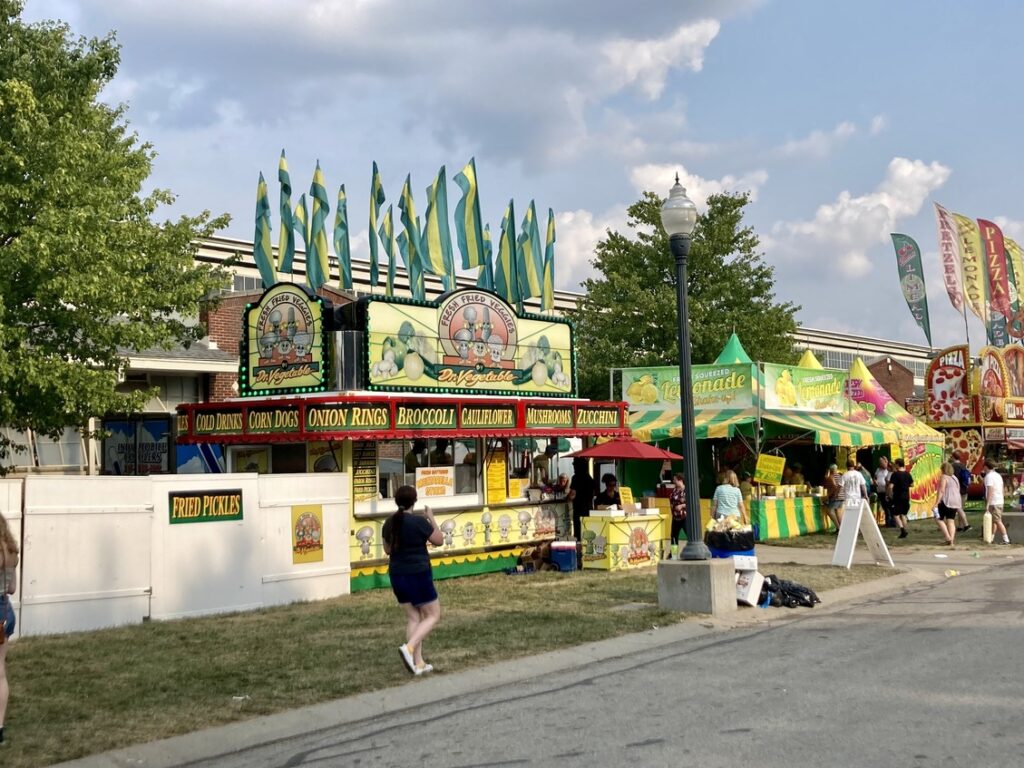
(769, 469)
(435, 481)
(497, 477)
(308, 533)
(284, 346)
(471, 340)
(626, 496)
(252, 460)
(324, 456)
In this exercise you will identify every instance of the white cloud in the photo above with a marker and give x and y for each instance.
(1011, 228)
(659, 178)
(578, 234)
(847, 228)
(878, 124)
(648, 62)
(818, 144)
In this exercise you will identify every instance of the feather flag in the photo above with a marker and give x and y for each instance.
(412, 252)
(412, 267)
(468, 223)
(531, 269)
(969, 241)
(342, 248)
(485, 279)
(436, 255)
(908, 262)
(301, 222)
(1015, 265)
(999, 307)
(376, 201)
(318, 268)
(262, 250)
(387, 239)
(949, 254)
(547, 299)
(506, 279)
(286, 237)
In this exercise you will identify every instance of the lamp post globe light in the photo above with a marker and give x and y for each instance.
(679, 217)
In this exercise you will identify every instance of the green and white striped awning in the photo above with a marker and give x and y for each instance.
(828, 429)
(661, 424)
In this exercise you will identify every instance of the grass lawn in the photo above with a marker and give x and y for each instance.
(74, 695)
(923, 533)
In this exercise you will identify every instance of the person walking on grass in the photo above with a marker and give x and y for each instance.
(994, 500)
(8, 586)
(853, 484)
(949, 503)
(406, 536)
(963, 476)
(881, 487)
(899, 496)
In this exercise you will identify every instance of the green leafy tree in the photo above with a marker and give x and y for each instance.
(628, 315)
(88, 275)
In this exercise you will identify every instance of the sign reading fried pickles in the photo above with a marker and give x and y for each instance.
(284, 346)
(204, 506)
(470, 340)
(347, 416)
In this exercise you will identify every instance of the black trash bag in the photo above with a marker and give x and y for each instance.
(781, 592)
(730, 541)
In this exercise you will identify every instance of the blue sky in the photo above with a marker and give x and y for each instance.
(844, 120)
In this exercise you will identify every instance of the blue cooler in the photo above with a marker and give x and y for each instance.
(563, 555)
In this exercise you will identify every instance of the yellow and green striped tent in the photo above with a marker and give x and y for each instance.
(828, 428)
(661, 424)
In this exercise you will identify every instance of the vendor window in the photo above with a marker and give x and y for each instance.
(398, 461)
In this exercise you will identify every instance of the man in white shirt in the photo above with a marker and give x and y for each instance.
(852, 486)
(881, 484)
(994, 499)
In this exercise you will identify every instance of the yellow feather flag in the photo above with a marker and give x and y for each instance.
(969, 240)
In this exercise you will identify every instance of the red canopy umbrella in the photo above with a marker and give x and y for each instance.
(625, 448)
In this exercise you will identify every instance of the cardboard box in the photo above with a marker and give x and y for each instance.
(648, 502)
(748, 587)
(744, 562)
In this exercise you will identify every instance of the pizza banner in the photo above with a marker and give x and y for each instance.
(948, 399)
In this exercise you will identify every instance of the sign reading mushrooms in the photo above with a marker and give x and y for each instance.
(469, 340)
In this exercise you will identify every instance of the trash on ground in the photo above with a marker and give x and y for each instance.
(951, 572)
(942, 557)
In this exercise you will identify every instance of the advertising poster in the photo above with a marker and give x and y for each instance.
(715, 387)
(252, 460)
(994, 383)
(471, 340)
(947, 394)
(324, 456)
(435, 481)
(119, 448)
(789, 387)
(769, 469)
(153, 446)
(308, 533)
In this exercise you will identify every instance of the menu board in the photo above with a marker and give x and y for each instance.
(497, 476)
(626, 497)
(769, 469)
(364, 470)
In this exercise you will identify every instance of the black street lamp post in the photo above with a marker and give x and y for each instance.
(679, 217)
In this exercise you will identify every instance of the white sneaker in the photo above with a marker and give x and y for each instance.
(424, 669)
(406, 654)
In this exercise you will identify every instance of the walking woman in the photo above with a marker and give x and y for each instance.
(677, 502)
(8, 585)
(406, 535)
(949, 502)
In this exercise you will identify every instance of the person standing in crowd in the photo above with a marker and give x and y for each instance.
(406, 536)
(852, 482)
(949, 502)
(833, 496)
(746, 488)
(881, 490)
(677, 504)
(994, 500)
(963, 477)
(609, 497)
(899, 496)
(581, 495)
(728, 501)
(8, 586)
(797, 478)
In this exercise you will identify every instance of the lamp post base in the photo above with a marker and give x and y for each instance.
(697, 586)
(695, 550)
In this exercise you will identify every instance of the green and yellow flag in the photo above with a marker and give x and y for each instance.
(300, 220)
(547, 299)
(437, 239)
(531, 268)
(341, 241)
(387, 238)
(262, 250)
(468, 225)
(376, 201)
(318, 268)
(975, 272)
(417, 286)
(286, 237)
(412, 253)
(486, 277)
(506, 278)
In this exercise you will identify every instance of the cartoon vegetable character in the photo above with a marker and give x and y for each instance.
(485, 520)
(448, 529)
(365, 536)
(524, 522)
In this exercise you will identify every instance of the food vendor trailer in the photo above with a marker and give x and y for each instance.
(394, 391)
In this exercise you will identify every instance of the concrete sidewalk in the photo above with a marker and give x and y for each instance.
(919, 566)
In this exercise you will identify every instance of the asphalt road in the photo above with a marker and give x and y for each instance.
(928, 677)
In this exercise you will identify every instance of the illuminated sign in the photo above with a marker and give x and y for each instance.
(284, 343)
(587, 416)
(470, 340)
(219, 423)
(715, 387)
(425, 417)
(204, 506)
(269, 420)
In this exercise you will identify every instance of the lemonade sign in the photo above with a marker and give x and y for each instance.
(788, 387)
(769, 469)
(715, 387)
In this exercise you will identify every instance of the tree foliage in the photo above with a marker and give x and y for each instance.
(88, 275)
(628, 315)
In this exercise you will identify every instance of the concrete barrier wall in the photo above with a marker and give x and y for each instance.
(102, 551)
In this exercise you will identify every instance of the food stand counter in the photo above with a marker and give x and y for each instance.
(781, 518)
(614, 540)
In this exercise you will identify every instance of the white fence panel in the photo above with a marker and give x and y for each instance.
(86, 555)
(10, 505)
(284, 579)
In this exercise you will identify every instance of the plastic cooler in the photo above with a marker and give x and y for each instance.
(563, 555)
